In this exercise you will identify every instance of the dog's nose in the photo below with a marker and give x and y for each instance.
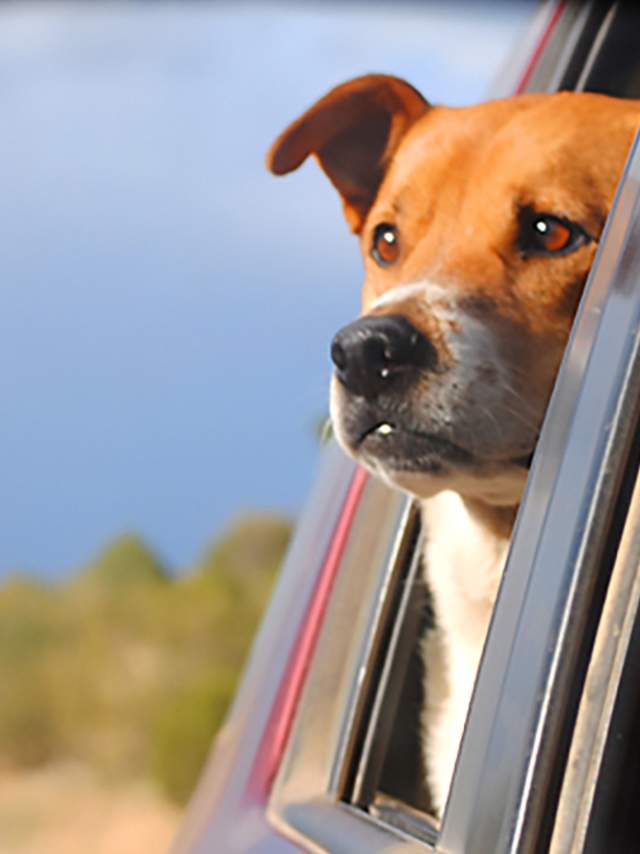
(373, 353)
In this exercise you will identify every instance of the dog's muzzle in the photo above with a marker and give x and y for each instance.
(410, 413)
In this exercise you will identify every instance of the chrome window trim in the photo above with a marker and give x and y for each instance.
(508, 78)
(619, 615)
(559, 54)
(323, 825)
(596, 47)
(305, 802)
(499, 790)
(365, 773)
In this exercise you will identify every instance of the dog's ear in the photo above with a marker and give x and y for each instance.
(353, 131)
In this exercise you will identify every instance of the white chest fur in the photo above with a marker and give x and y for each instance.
(463, 564)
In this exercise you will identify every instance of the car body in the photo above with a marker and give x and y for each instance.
(320, 751)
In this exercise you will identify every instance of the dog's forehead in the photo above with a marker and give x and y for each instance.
(527, 141)
(461, 176)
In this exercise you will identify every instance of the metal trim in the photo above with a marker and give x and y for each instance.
(596, 47)
(328, 827)
(305, 802)
(523, 59)
(551, 71)
(619, 615)
(499, 790)
(375, 734)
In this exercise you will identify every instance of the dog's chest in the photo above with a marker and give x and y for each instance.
(464, 562)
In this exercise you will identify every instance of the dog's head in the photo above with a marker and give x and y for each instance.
(478, 227)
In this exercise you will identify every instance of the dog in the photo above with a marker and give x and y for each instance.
(478, 226)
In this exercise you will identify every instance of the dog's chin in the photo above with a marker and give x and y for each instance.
(503, 487)
(424, 465)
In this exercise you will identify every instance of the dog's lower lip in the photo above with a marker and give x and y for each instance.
(384, 429)
(381, 428)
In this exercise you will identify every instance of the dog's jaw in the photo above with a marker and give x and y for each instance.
(498, 484)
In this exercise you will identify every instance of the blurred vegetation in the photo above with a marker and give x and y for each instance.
(127, 666)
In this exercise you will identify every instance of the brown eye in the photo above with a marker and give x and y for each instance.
(545, 234)
(552, 235)
(385, 247)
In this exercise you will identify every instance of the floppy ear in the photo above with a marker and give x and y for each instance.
(353, 131)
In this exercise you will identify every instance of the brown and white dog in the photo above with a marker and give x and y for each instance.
(478, 227)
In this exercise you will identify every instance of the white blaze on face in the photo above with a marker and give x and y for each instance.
(428, 292)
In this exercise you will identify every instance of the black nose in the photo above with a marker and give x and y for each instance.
(374, 354)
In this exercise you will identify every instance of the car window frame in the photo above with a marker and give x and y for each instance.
(564, 545)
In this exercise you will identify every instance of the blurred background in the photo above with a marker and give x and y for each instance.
(166, 307)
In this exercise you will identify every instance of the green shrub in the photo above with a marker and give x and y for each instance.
(183, 731)
(28, 735)
(126, 667)
(124, 563)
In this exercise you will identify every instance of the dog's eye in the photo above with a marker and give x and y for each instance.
(552, 235)
(545, 234)
(385, 248)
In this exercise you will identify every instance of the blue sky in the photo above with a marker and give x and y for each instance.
(165, 304)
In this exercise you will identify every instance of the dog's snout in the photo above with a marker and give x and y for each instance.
(373, 353)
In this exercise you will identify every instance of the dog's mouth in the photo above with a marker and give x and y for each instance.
(407, 448)
(388, 434)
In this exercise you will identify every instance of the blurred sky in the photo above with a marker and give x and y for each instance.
(165, 304)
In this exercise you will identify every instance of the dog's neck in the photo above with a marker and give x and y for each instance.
(498, 520)
(466, 544)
